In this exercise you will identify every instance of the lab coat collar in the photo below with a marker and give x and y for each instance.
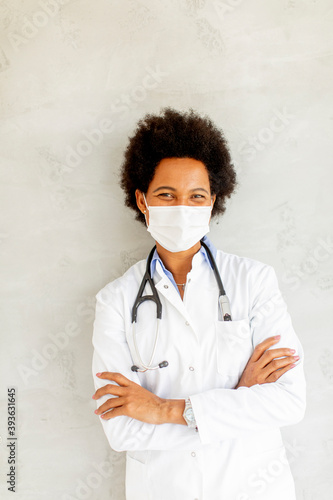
(165, 287)
(164, 284)
(156, 258)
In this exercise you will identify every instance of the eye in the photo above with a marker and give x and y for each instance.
(199, 197)
(165, 195)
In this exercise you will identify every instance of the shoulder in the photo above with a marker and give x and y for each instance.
(239, 261)
(245, 267)
(250, 280)
(123, 285)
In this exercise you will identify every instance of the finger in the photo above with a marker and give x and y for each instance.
(117, 412)
(277, 374)
(263, 346)
(113, 389)
(277, 364)
(109, 404)
(116, 377)
(271, 354)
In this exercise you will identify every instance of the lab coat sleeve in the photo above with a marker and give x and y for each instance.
(229, 413)
(112, 354)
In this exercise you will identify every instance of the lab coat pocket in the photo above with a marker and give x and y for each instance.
(136, 475)
(234, 348)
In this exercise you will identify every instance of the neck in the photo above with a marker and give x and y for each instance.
(178, 263)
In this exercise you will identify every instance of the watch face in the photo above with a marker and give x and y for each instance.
(190, 414)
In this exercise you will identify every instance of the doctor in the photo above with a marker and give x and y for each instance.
(207, 425)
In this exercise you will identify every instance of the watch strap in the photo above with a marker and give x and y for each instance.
(188, 415)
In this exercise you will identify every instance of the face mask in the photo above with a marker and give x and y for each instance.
(178, 228)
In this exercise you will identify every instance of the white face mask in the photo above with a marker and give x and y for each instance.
(179, 227)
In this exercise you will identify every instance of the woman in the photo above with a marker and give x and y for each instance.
(206, 424)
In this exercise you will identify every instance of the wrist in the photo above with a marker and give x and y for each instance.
(172, 411)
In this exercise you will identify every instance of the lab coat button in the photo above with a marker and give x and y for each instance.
(166, 286)
(193, 454)
(187, 323)
(191, 368)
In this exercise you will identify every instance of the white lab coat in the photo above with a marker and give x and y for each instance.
(238, 453)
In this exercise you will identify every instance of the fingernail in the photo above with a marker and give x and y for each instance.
(277, 336)
(96, 411)
(296, 357)
(98, 374)
(292, 351)
(93, 396)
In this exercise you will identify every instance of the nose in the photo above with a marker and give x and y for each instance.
(182, 200)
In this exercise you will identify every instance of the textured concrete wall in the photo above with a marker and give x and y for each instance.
(75, 77)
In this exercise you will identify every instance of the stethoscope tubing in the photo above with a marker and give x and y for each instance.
(140, 298)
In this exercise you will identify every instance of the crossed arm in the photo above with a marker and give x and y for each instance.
(132, 400)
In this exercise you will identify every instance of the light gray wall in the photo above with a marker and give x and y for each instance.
(262, 71)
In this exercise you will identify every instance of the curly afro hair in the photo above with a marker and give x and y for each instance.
(177, 135)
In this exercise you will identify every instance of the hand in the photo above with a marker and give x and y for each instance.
(263, 367)
(136, 402)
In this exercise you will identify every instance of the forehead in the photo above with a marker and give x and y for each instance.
(180, 171)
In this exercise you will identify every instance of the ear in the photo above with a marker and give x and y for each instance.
(140, 201)
(213, 199)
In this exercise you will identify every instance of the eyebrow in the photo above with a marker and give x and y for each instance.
(173, 189)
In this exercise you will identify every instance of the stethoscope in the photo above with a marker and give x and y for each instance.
(223, 303)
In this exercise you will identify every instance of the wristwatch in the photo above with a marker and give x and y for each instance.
(188, 415)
